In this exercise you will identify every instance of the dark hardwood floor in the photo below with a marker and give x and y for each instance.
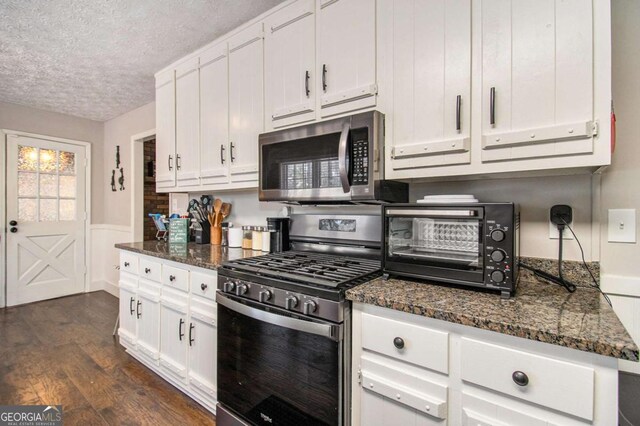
(61, 352)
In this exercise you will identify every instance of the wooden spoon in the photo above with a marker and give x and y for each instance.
(217, 205)
(225, 210)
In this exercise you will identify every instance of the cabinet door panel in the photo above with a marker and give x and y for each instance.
(174, 337)
(289, 59)
(347, 50)
(148, 312)
(538, 57)
(431, 74)
(214, 115)
(246, 111)
(128, 299)
(187, 126)
(165, 131)
(202, 353)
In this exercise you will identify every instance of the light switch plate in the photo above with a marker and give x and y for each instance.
(622, 226)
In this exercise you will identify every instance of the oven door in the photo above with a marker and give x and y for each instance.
(446, 243)
(275, 368)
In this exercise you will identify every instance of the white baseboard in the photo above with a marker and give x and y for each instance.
(107, 286)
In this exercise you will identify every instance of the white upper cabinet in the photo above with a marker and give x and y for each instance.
(346, 66)
(187, 124)
(537, 78)
(165, 130)
(290, 65)
(246, 102)
(431, 84)
(214, 115)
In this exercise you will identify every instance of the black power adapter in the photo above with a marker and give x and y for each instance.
(561, 215)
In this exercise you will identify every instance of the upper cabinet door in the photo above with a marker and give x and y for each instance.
(290, 65)
(347, 55)
(187, 124)
(537, 78)
(431, 92)
(165, 130)
(214, 115)
(246, 97)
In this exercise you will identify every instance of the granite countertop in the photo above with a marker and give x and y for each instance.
(201, 255)
(539, 311)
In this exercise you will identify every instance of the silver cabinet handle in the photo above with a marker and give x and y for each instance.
(232, 146)
(492, 106)
(342, 158)
(458, 105)
(324, 77)
(306, 83)
(169, 162)
(222, 154)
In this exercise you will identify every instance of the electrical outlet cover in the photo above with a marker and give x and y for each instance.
(622, 226)
(553, 232)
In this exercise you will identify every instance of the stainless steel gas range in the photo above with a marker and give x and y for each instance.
(284, 331)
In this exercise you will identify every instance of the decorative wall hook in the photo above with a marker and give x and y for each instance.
(121, 179)
(113, 180)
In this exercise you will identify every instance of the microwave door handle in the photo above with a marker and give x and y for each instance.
(330, 331)
(342, 158)
(432, 213)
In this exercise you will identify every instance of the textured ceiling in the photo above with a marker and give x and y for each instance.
(96, 58)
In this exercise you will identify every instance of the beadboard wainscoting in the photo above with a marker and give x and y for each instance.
(624, 293)
(105, 257)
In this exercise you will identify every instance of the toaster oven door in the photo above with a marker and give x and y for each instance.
(443, 243)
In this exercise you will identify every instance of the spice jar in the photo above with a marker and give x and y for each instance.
(256, 243)
(266, 239)
(247, 237)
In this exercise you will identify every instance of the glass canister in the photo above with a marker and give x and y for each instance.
(256, 242)
(247, 237)
(266, 239)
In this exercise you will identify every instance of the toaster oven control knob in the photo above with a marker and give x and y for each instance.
(309, 307)
(291, 302)
(264, 296)
(497, 255)
(497, 276)
(241, 289)
(497, 235)
(229, 286)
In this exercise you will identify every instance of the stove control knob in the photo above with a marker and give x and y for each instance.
(241, 289)
(497, 255)
(497, 235)
(229, 286)
(309, 307)
(497, 276)
(264, 296)
(291, 302)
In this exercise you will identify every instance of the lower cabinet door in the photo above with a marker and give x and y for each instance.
(148, 314)
(128, 329)
(202, 353)
(174, 337)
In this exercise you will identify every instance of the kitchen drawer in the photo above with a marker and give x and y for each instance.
(417, 345)
(175, 277)
(559, 385)
(128, 262)
(150, 270)
(204, 284)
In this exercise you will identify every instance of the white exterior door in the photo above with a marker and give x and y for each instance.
(290, 65)
(431, 83)
(188, 124)
(46, 214)
(246, 103)
(214, 115)
(165, 130)
(347, 55)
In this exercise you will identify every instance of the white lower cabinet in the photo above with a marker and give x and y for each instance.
(413, 370)
(170, 325)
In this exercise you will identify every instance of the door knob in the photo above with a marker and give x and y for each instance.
(13, 230)
(13, 223)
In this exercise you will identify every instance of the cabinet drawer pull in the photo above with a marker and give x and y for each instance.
(306, 83)
(138, 313)
(492, 106)
(520, 378)
(203, 286)
(180, 332)
(172, 278)
(458, 105)
(221, 153)
(398, 342)
(126, 264)
(131, 310)
(191, 339)
(169, 163)
(324, 78)
(177, 161)
(231, 147)
(147, 270)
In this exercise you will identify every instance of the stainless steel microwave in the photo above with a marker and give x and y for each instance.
(473, 245)
(331, 162)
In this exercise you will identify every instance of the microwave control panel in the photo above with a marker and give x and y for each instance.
(360, 161)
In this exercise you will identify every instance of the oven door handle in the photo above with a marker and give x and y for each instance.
(342, 158)
(330, 331)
